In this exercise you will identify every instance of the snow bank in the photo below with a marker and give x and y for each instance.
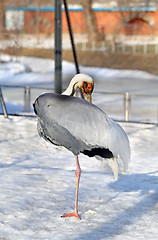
(37, 182)
(42, 70)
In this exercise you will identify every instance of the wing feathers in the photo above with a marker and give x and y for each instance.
(84, 124)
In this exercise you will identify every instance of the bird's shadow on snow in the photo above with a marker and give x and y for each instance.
(145, 185)
(134, 182)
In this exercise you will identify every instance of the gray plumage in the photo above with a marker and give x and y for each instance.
(81, 127)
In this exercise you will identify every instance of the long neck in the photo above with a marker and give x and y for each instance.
(71, 89)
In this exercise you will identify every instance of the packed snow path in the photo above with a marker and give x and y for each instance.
(34, 196)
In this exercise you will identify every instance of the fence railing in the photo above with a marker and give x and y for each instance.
(121, 47)
(15, 44)
(124, 106)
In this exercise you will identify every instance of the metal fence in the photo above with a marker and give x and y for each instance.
(16, 45)
(126, 106)
(120, 47)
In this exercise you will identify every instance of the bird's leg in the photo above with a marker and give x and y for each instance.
(78, 174)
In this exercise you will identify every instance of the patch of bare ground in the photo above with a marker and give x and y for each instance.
(145, 62)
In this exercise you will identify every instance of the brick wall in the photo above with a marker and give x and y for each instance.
(142, 23)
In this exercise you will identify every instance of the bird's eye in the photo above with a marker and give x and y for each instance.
(48, 105)
(85, 84)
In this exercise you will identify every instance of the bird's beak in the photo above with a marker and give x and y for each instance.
(89, 97)
(87, 91)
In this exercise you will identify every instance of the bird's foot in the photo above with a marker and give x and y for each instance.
(74, 214)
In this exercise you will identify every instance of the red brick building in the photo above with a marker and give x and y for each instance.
(133, 21)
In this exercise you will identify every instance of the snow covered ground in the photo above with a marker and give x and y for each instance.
(22, 71)
(37, 182)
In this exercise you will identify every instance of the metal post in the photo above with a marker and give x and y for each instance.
(27, 98)
(3, 104)
(145, 48)
(93, 46)
(113, 47)
(134, 48)
(157, 115)
(84, 47)
(58, 46)
(127, 101)
(156, 49)
(123, 48)
(103, 48)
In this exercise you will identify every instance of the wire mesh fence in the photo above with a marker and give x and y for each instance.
(30, 33)
(31, 25)
(119, 106)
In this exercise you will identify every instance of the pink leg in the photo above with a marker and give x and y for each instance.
(78, 173)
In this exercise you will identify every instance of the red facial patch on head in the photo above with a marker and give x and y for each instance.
(88, 87)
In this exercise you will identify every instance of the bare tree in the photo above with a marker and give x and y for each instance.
(91, 23)
(2, 18)
(38, 4)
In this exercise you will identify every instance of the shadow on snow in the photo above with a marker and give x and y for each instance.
(147, 185)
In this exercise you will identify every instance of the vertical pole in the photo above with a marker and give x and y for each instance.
(127, 100)
(93, 46)
(145, 48)
(157, 115)
(156, 49)
(3, 104)
(58, 46)
(123, 48)
(113, 47)
(84, 47)
(27, 99)
(134, 48)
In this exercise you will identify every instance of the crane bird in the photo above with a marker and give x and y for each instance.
(81, 127)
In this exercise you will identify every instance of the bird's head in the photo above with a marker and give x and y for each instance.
(84, 83)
